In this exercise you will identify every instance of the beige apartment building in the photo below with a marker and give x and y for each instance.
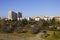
(57, 18)
(14, 15)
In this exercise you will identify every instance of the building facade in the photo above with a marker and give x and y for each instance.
(19, 15)
(14, 15)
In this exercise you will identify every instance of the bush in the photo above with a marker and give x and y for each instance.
(55, 35)
(20, 30)
(35, 30)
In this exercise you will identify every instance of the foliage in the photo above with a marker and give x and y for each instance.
(56, 35)
(10, 26)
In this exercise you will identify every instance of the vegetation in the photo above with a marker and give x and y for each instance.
(10, 26)
(31, 27)
(51, 35)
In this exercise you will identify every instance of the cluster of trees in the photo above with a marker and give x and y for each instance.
(22, 26)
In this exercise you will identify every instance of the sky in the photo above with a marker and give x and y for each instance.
(30, 7)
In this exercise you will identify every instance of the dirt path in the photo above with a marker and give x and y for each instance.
(37, 37)
(11, 37)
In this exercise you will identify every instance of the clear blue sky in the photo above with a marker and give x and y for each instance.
(30, 7)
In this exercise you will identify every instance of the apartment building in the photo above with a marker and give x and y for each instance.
(57, 18)
(14, 15)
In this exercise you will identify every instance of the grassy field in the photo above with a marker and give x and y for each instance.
(51, 35)
(15, 36)
(27, 34)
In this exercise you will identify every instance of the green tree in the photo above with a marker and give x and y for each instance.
(53, 22)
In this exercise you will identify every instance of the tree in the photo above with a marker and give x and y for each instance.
(53, 22)
(45, 24)
(2, 25)
(22, 22)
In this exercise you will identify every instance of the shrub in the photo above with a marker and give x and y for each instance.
(35, 30)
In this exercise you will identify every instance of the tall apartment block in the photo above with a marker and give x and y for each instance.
(14, 15)
(19, 15)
